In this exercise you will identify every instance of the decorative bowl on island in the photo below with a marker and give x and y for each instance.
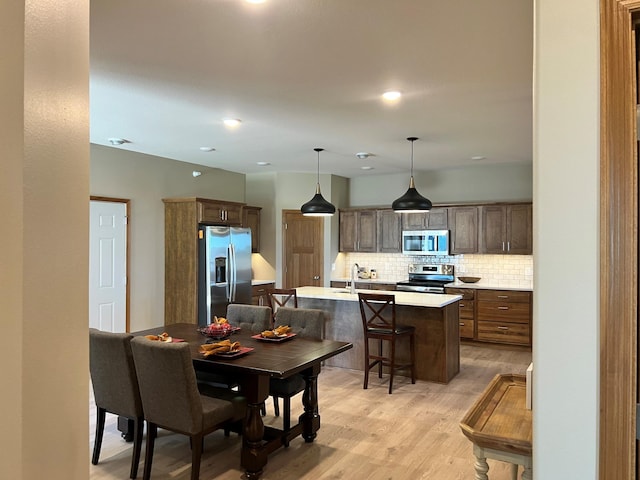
(469, 279)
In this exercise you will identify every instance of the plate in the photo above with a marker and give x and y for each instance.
(237, 353)
(276, 339)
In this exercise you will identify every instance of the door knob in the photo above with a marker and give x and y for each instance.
(316, 277)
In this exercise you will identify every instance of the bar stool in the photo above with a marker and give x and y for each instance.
(379, 323)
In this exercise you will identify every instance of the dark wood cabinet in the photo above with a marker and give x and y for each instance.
(467, 311)
(507, 229)
(259, 293)
(463, 223)
(504, 316)
(389, 231)
(251, 219)
(434, 219)
(358, 230)
(364, 285)
(214, 212)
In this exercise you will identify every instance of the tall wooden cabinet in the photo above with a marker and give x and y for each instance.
(182, 216)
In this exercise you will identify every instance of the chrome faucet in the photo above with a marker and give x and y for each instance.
(354, 274)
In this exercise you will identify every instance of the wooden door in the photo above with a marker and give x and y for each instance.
(303, 254)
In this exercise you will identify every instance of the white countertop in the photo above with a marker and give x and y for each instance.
(365, 280)
(262, 282)
(402, 298)
(494, 285)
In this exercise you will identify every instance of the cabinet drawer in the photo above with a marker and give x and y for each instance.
(510, 296)
(500, 332)
(466, 328)
(467, 293)
(336, 284)
(466, 309)
(382, 286)
(506, 312)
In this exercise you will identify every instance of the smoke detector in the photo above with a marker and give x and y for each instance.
(117, 141)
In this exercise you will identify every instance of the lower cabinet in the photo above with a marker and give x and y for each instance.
(259, 293)
(496, 316)
(467, 311)
(364, 285)
(504, 316)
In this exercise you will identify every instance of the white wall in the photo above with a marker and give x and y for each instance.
(478, 183)
(44, 248)
(146, 180)
(566, 162)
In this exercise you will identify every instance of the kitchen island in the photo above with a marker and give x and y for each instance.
(435, 318)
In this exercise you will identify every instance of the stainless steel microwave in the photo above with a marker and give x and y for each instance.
(425, 242)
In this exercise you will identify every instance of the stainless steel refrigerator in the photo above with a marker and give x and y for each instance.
(224, 271)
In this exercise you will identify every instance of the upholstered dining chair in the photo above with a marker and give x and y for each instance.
(281, 297)
(115, 387)
(378, 313)
(171, 399)
(250, 318)
(305, 323)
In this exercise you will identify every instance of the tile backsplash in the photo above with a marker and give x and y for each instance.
(393, 267)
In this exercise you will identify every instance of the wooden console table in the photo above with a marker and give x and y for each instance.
(499, 426)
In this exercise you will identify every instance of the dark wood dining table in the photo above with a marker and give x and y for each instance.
(252, 371)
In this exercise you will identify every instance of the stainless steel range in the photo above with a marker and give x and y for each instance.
(427, 278)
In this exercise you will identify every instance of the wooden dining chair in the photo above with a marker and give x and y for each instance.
(305, 323)
(171, 399)
(378, 313)
(115, 388)
(281, 297)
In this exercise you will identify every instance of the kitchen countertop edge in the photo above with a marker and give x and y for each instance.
(402, 298)
(489, 285)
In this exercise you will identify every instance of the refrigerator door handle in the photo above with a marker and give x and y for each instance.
(233, 273)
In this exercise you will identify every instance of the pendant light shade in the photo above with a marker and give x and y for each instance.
(411, 201)
(318, 206)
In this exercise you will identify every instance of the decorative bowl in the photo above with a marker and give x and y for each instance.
(216, 330)
(469, 279)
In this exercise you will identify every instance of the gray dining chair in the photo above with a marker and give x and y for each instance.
(115, 388)
(305, 323)
(250, 318)
(171, 399)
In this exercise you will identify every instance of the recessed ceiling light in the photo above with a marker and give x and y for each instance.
(263, 164)
(366, 167)
(391, 95)
(363, 155)
(196, 173)
(478, 157)
(207, 149)
(117, 141)
(232, 122)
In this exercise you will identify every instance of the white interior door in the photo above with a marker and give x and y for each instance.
(108, 266)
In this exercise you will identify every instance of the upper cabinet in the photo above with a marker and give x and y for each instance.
(358, 232)
(463, 223)
(507, 229)
(214, 212)
(434, 219)
(251, 219)
(389, 231)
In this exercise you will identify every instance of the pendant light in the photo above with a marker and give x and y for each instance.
(411, 201)
(318, 206)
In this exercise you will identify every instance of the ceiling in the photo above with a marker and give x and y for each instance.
(302, 74)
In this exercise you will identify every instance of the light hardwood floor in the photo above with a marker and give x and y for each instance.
(365, 434)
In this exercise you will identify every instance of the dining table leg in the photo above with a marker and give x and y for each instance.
(254, 456)
(310, 419)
